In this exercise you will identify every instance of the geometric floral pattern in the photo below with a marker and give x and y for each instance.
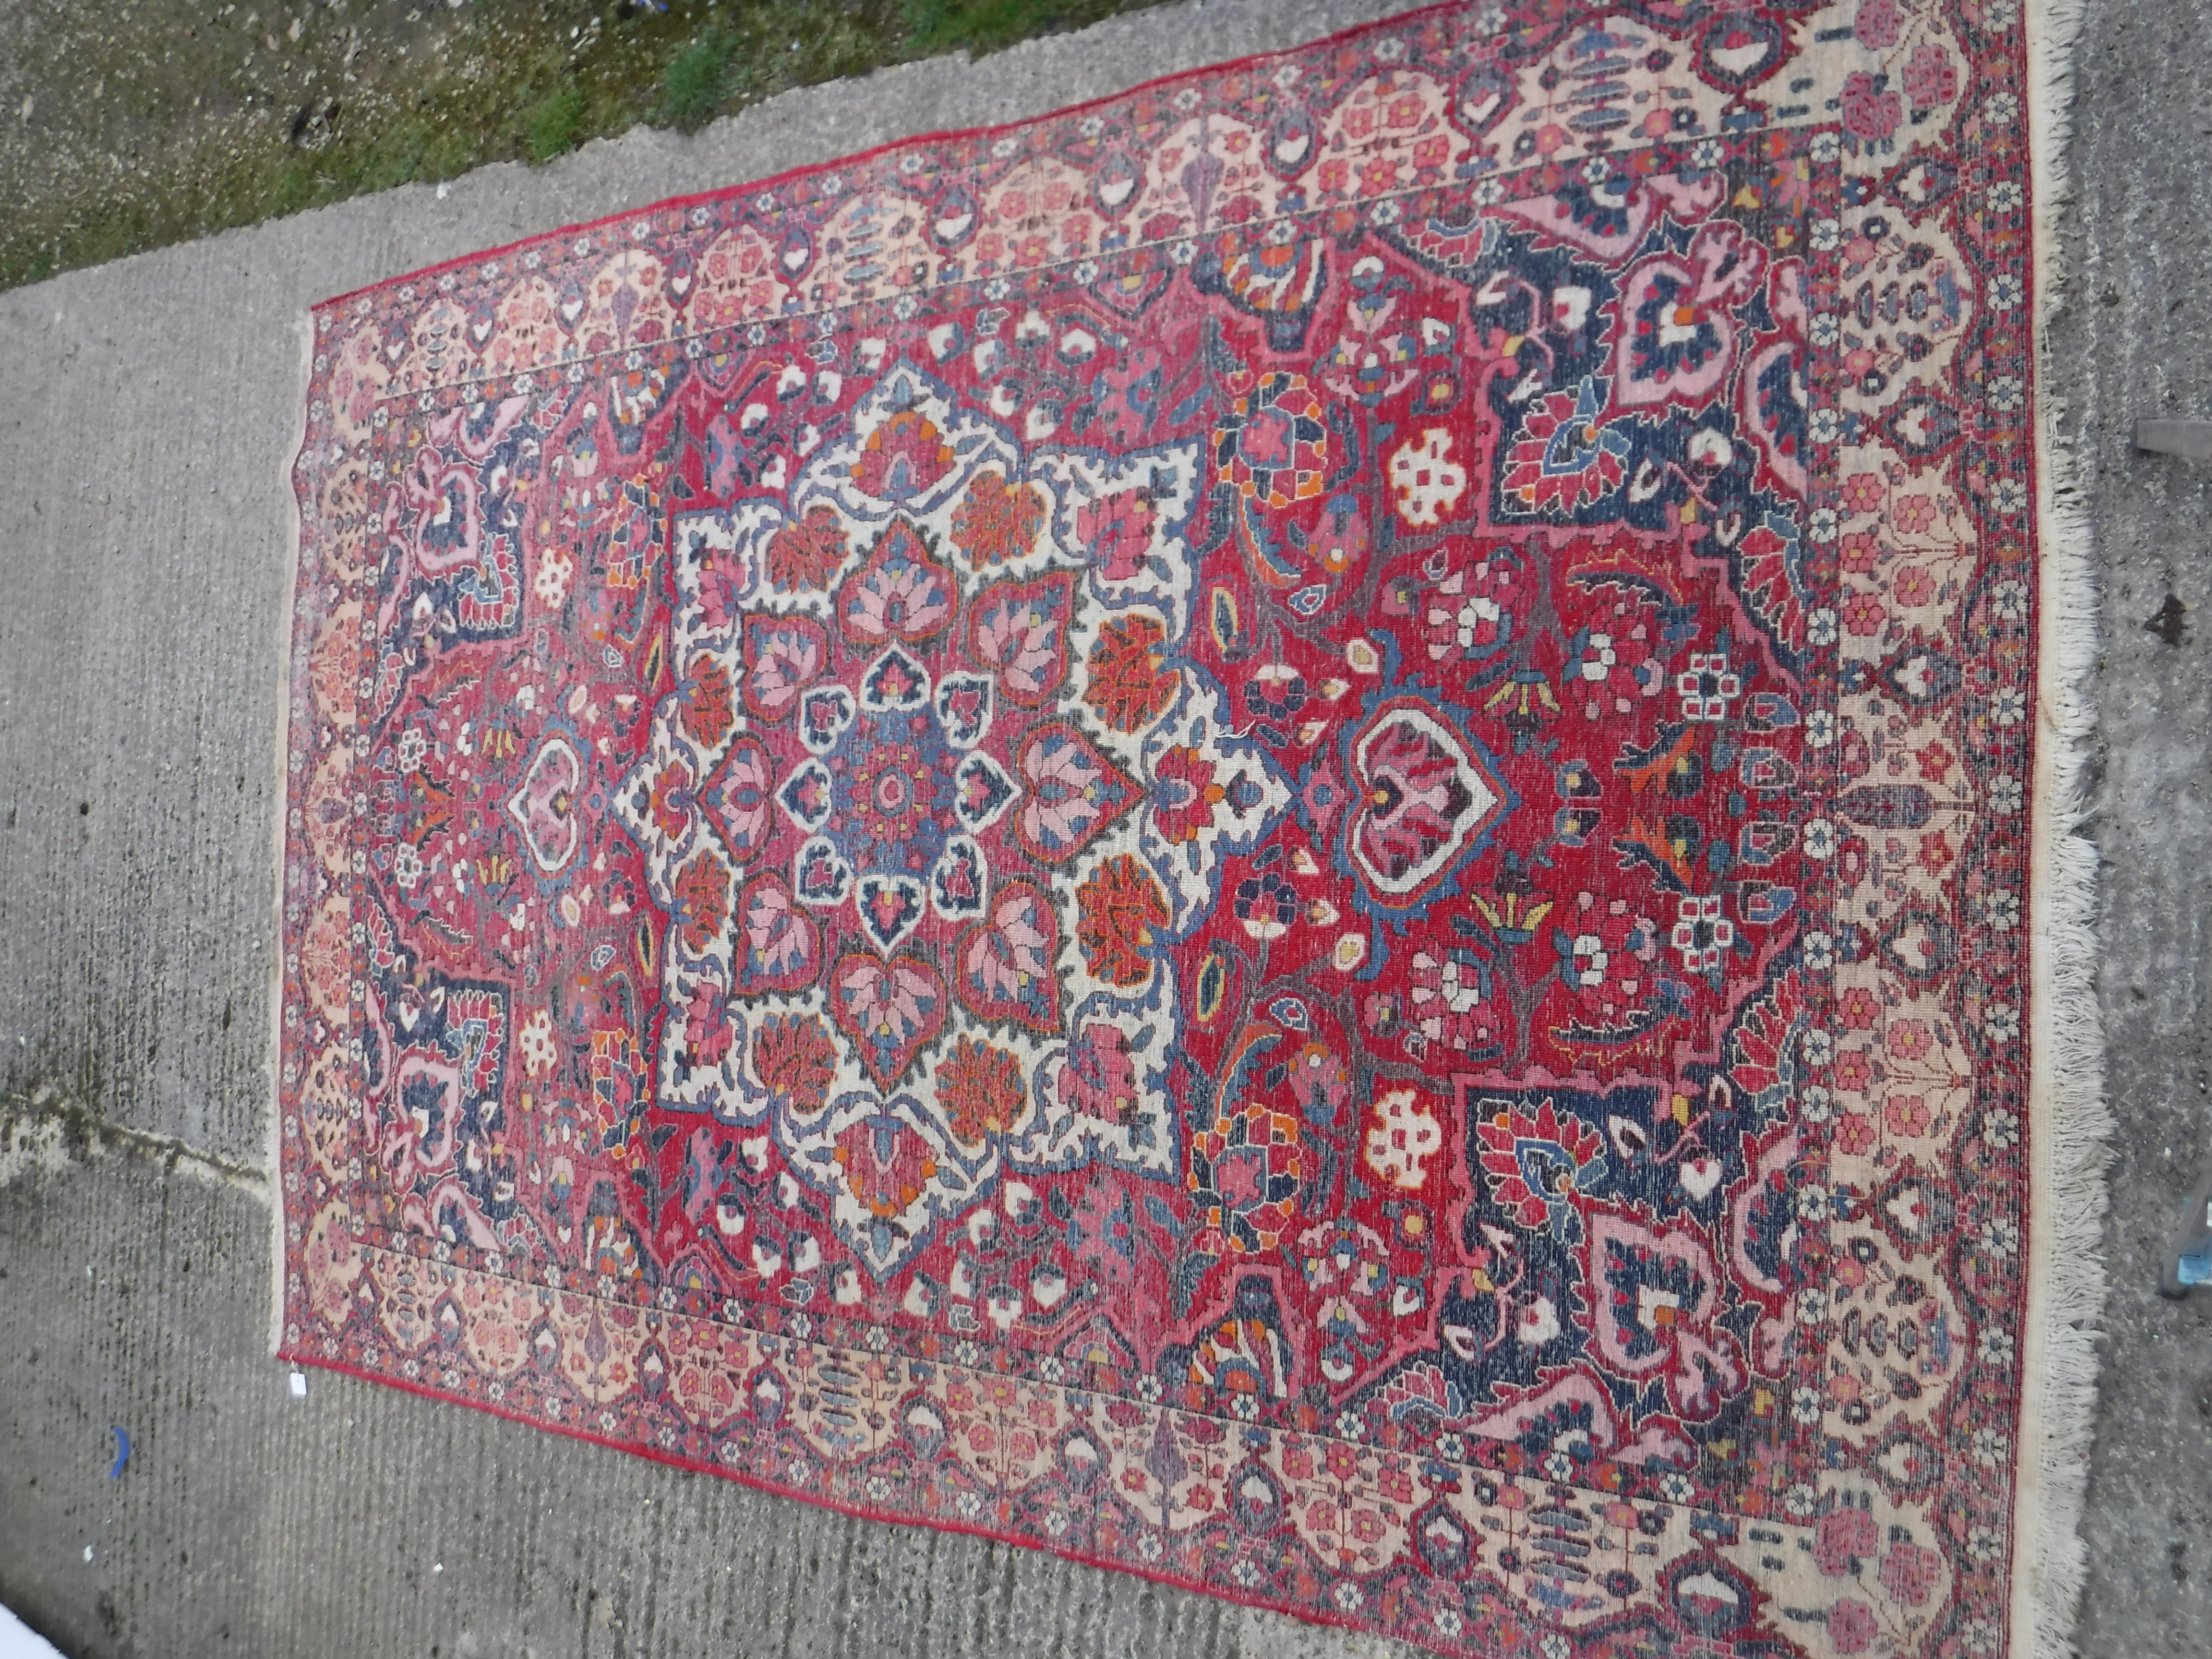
(1273, 833)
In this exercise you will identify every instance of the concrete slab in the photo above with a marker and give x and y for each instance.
(148, 416)
(2135, 342)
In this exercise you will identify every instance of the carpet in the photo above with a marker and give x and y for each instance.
(1308, 832)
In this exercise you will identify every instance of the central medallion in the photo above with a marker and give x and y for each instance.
(888, 800)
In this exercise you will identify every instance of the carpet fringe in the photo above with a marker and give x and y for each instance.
(2068, 1121)
(286, 644)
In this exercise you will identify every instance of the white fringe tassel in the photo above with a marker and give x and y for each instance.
(2067, 1120)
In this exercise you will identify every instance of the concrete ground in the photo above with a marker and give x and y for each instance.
(2136, 340)
(146, 419)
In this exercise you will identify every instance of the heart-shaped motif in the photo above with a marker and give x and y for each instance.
(1007, 963)
(1483, 95)
(779, 946)
(1699, 1176)
(890, 1010)
(1741, 48)
(889, 906)
(824, 716)
(960, 881)
(954, 218)
(820, 875)
(783, 656)
(543, 807)
(1072, 792)
(963, 708)
(1741, 55)
(808, 795)
(1116, 180)
(1020, 629)
(735, 799)
(980, 792)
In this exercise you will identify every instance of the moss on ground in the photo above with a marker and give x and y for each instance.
(157, 122)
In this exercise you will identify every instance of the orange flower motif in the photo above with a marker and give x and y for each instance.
(794, 1059)
(1116, 912)
(803, 556)
(1127, 685)
(996, 521)
(982, 1086)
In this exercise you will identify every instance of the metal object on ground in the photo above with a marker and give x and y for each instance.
(2190, 439)
(2188, 1253)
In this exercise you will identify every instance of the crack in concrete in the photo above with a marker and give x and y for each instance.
(50, 1131)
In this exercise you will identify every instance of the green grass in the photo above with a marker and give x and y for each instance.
(553, 124)
(693, 88)
(981, 26)
(518, 83)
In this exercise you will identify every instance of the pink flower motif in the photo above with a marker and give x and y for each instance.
(1877, 25)
(1931, 77)
(1855, 1136)
(1839, 1535)
(706, 1025)
(1908, 1573)
(1854, 1070)
(1863, 614)
(890, 999)
(1100, 1080)
(1913, 513)
(1118, 531)
(1860, 1009)
(784, 661)
(1007, 958)
(1914, 586)
(778, 940)
(902, 597)
(1342, 1460)
(1860, 553)
(1850, 1625)
(1020, 636)
(1864, 492)
(1870, 113)
(1908, 1039)
(1907, 1115)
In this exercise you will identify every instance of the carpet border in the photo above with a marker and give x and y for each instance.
(2070, 1121)
(295, 524)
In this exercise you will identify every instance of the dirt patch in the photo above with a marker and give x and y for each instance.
(133, 125)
